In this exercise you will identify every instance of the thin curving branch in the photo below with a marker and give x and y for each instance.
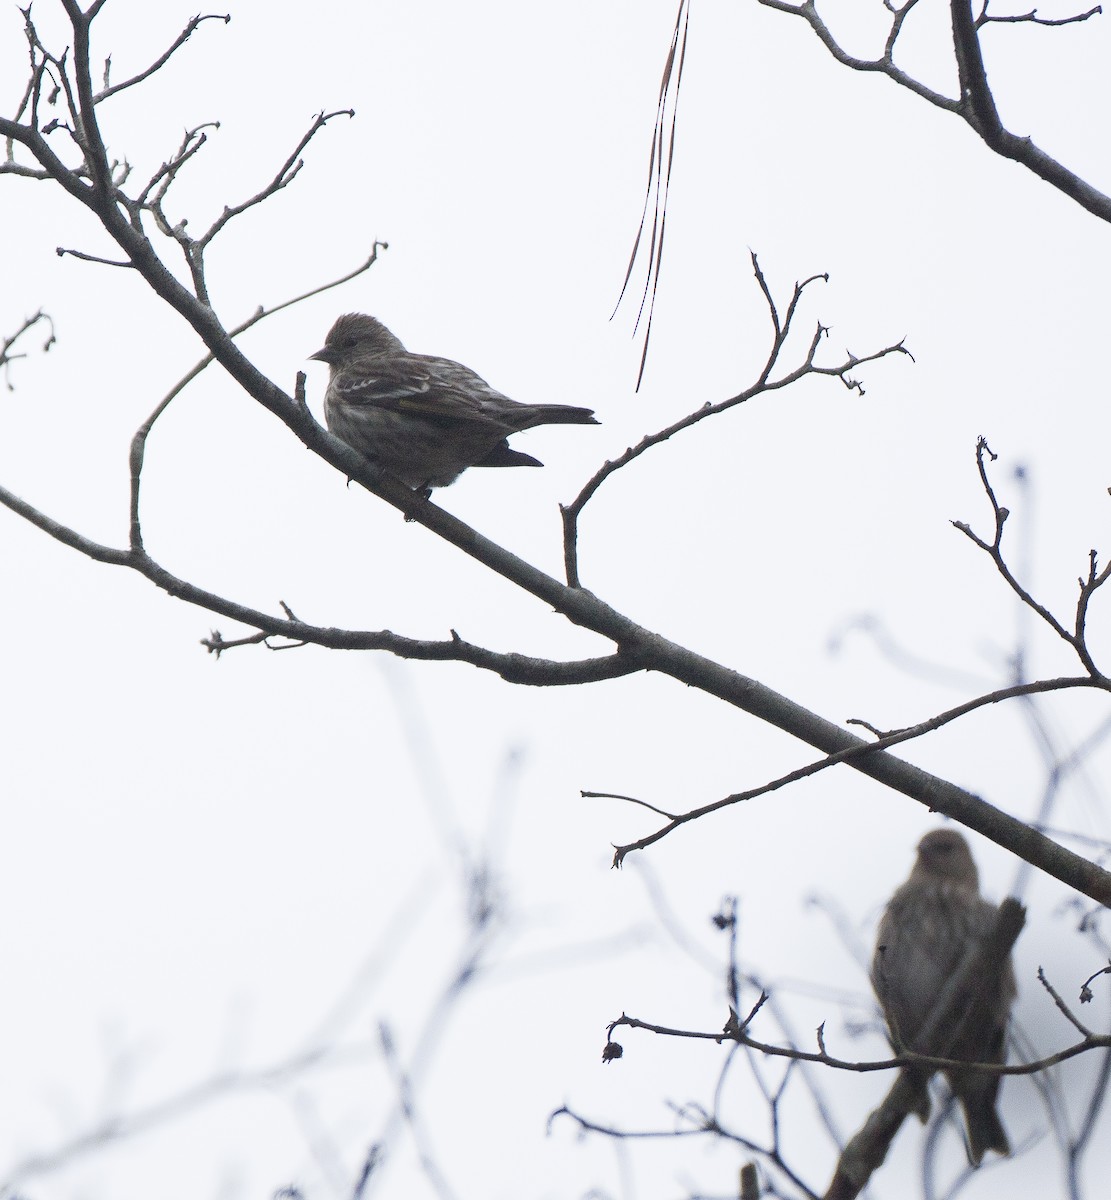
(8, 354)
(884, 740)
(1032, 18)
(112, 89)
(284, 176)
(139, 440)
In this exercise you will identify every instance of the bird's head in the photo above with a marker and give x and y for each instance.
(944, 854)
(356, 335)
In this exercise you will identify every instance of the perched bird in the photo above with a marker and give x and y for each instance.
(423, 419)
(929, 924)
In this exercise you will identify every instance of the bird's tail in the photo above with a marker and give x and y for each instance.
(985, 1130)
(561, 414)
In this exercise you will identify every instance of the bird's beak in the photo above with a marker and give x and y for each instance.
(324, 356)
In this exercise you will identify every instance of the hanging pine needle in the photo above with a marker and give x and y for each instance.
(659, 180)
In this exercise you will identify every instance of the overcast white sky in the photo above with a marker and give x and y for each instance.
(202, 859)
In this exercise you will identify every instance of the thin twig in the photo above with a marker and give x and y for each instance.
(162, 60)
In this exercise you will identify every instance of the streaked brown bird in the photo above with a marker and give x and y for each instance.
(423, 419)
(929, 924)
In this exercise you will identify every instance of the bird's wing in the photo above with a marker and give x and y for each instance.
(436, 389)
(907, 970)
(925, 933)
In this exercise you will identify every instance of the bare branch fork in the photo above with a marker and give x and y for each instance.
(1089, 584)
(7, 344)
(97, 183)
(691, 1121)
(975, 103)
(766, 381)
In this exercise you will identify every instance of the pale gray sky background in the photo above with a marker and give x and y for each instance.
(200, 858)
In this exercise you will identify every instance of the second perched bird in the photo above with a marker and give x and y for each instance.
(423, 419)
(931, 921)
